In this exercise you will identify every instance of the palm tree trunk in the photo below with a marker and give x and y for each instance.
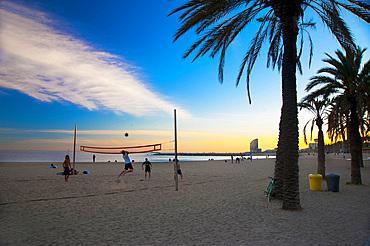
(361, 156)
(354, 140)
(288, 136)
(279, 172)
(321, 147)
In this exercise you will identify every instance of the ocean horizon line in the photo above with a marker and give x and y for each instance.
(217, 153)
(80, 156)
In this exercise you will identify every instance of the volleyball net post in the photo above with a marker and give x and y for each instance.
(176, 161)
(74, 151)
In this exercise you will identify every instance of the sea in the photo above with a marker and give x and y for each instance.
(80, 156)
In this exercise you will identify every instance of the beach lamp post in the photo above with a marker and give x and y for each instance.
(74, 151)
(176, 176)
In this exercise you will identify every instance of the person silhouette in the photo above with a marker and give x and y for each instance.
(128, 166)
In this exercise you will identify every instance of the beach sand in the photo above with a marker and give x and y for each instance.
(217, 203)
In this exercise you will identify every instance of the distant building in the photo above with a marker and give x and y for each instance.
(313, 147)
(271, 150)
(254, 146)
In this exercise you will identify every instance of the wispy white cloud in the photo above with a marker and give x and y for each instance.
(114, 133)
(42, 62)
(105, 132)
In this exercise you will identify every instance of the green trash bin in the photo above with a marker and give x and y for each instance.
(315, 181)
(332, 181)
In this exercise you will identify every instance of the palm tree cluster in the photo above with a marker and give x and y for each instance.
(319, 108)
(282, 25)
(345, 86)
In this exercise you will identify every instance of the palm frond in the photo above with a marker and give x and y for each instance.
(252, 54)
(276, 48)
(320, 80)
(303, 30)
(219, 22)
(360, 8)
(303, 104)
(331, 17)
(202, 13)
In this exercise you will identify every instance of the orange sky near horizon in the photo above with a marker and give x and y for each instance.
(187, 142)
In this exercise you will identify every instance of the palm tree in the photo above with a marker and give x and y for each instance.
(319, 109)
(337, 120)
(364, 103)
(280, 26)
(339, 115)
(345, 83)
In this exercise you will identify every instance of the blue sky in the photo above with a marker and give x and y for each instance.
(113, 68)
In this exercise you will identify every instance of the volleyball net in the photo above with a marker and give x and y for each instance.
(117, 150)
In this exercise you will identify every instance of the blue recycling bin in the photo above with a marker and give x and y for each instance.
(332, 181)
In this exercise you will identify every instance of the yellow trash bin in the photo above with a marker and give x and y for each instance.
(315, 181)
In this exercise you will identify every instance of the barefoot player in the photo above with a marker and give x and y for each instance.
(128, 166)
(148, 167)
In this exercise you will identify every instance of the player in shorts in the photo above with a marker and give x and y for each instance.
(128, 166)
(67, 167)
(148, 167)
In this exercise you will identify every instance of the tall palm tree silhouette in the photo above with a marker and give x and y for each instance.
(218, 22)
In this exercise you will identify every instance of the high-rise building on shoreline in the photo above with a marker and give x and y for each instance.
(254, 146)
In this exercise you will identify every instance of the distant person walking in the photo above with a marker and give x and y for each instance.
(128, 166)
(94, 158)
(67, 167)
(148, 167)
(232, 159)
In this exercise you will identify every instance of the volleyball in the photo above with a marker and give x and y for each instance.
(126, 134)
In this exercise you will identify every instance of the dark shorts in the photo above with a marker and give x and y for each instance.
(179, 172)
(128, 166)
(147, 169)
(66, 171)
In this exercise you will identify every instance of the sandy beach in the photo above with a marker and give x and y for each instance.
(217, 203)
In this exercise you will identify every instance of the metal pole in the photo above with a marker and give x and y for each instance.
(74, 151)
(175, 167)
